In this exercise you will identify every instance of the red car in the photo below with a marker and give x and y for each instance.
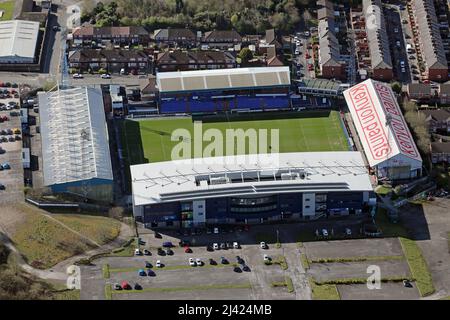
(307, 56)
(187, 250)
(125, 285)
(310, 67)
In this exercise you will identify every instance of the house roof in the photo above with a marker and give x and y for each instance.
(87, 55)
(380, 54)
(187, 57)
(429, 34)
(175, 33)
(444, 88)
(18, 38)
(271, 38)
(110, 31)
(440, 115)
(222, 35)
(440, 147)
(329, 53)
(419, 88)
(274, 62)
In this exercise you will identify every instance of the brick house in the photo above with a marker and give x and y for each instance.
(175, 36)
(221, 39)
(110, 60)
(194, 60)
(440, 152)
(117, 35)
(437, 119)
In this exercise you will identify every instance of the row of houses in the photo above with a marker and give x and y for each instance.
(427, 93)
(182, 37)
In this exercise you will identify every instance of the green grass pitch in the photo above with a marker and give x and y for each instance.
(8, 10)
(149, 140)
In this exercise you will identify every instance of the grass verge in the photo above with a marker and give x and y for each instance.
(281, 261)
(67, 295)
(100, 229)
(105, 271)
(418, 266)
(356, 259)
(324, 291)
(286, 283)
(304, 260)
(361, 280)
(108, 292)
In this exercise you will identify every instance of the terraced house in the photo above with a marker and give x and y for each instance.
(194, 60)
(378, 41)
(118, 35)
(221, 39)
(112, 61)
(432, 52)
(330, 63)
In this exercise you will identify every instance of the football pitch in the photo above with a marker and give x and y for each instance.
(150, 140)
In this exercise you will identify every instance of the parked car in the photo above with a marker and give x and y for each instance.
(147, 252)
(142, 272)
(212, 262)
(137, 286)
(246, 268)
(169, 252)
(2, 187)
(106, 76)
(161, 252)
(407, 284)
(117, 286)
(237, 269)
(263, 245)
(267, 258)
(157, 235)
(325, 232)
(199, 262)
(192, 262)
(348, 231)
(187, 250)
(216, 230)
(159, 264)
(167, 244)
(148, 264)
(151, 273)
(223, 260)
(6, 166)
(125, 285)
(239, 260)
(215, 246)
(137, 252)
(236, 245)
(77, 76)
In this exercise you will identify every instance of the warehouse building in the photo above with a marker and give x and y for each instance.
(250, 190)
(75, 147)
(387, 142)
(224, 90)
(18, 40)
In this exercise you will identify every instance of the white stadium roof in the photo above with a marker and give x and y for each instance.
(18, 38)
(74, 136)
(372, 105)
(183, 180)
(222, 79)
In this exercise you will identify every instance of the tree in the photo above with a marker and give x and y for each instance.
(245, 55)
(396, 87)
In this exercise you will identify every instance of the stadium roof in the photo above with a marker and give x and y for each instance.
(222, 79)
(74, 136)
(373, 105)
(243, 175)
(18, 38)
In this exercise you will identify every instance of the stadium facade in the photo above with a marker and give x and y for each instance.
(223, 90)
(384, 135)
(242, 190)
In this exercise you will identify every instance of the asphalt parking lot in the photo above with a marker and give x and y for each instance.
(177, 280)
(12, 178)
(388, 291)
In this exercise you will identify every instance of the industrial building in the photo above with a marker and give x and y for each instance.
(75, 147)
(387, 142)
(18, 40)
(248, 189)
(223, 90)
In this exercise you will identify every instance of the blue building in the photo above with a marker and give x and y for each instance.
(224, 90)
(247, 190)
